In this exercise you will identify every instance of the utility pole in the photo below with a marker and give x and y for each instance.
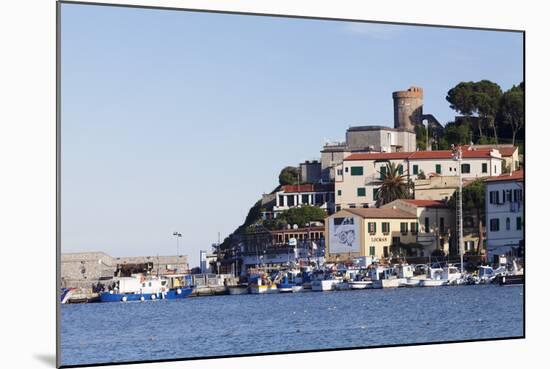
(457, 155)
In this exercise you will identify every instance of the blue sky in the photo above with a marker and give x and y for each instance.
(178, 120)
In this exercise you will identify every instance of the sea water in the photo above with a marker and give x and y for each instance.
(250, 324)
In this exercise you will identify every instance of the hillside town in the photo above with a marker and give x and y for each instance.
(375, 200)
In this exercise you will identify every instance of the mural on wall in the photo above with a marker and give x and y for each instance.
(344, 235)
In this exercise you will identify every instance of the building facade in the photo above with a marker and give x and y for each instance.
(273, 249)
(360, 176)
(436, 221)
(290, 196)
(504, 209)
(375, 232)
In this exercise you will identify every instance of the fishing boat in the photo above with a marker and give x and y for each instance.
(435, 279)
(384, 277)
(141, 288)
(324, 284)
(285, 285)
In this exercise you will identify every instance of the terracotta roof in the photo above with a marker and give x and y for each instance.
(518, 175)
(308, 187)
(426, 203)
(379, 156)
(389, 213)
(438, 154)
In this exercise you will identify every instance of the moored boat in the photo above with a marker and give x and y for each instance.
(141, 288)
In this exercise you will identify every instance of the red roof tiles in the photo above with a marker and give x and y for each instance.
(518, 175)
(418, 155)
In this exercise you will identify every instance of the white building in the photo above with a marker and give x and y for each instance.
(290, 196)
(504, 211)
(359, 176)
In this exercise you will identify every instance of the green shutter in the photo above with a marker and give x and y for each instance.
(518, 223)
(415, 169)
(375, 193)
(361, 191)
(438, 168)
(400, 168)
(484, 167)
(382, 172)
(339, 192)
(356, 171)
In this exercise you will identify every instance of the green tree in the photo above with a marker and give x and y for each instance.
(512, 111)
(477, 98)
(289, 176)
(301, 215)
(473, 201)
(394, 185)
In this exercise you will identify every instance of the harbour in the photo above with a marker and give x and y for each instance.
(260, 323)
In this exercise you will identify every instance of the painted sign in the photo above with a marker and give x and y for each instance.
(344, 235)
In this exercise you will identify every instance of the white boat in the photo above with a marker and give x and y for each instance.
(238, 289)
(452, 275)
(435, 279)
(324, 284)
(387, 283)
(297, 288)
(411, 282)
(360, 285)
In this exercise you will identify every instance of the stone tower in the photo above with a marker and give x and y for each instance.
(407, 108)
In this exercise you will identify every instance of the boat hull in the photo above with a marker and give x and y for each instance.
(324, 285)
(179, 293)
(386, 283)
(360, 285)
(432, 282)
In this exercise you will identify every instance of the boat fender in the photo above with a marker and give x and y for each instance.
(124, 298)
(153, 297)
(142, 298)
(178, 291)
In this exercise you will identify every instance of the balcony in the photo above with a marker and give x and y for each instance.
(373, 178)
(426, 239)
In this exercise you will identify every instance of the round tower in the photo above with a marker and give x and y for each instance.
(407, 108)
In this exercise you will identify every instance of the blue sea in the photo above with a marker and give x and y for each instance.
(250, 324)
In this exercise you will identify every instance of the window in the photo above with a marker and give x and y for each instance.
(518, 223)
(382, 172)
(361, 191)
(395, 240)
(494, 197)
(483, 167)
(414, 227)
(347, 169)
(415, 169)
(305, 199)
(426, 224)
(375, 192)
(385, 227)
(507, 224)
(339, 192)
(372, 227)
(404, 227)
(465, 168)
(438, 168)
(494, 225)
(338, 208)
(518, 195)
(441, 224)
(372, 251)
(281, 200)
(400, 169)
(290, 200)
(319, 198)
(339, 172)
(356, 171)
(386, 253)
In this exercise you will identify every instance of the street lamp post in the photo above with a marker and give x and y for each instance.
(178, 236)
(457, 155)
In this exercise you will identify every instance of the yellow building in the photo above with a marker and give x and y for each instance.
(368, 232)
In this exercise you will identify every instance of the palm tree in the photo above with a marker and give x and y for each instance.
(394, 185)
